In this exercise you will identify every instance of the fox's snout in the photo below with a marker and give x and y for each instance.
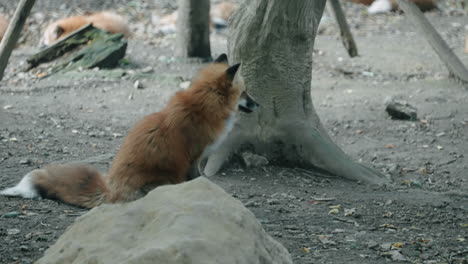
(247, 104)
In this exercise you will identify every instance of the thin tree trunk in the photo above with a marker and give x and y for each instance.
(455, 67)
(274, 39)
(347, 39)
(13, 33)
(193, 29)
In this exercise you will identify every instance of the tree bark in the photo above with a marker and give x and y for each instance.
(193, 29)
(274, 39)
(347, 39)
(13, 32)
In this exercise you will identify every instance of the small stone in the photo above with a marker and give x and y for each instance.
(11, 214)
(138, 85)
(13, 231)
(372, 244)
(395, 255)
(147, 69)
(24, 248)
(385, 246)
(25, 161)
(273, 201)
(400, 109)
(184, 85)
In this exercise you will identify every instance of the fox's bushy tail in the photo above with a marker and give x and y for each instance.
(74, 184)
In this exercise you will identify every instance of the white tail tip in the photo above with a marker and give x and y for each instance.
(25, 188)
(380, 6)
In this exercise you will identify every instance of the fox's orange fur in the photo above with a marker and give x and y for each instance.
(160, 149)
(3, 26)
(103, 20)
(219, 16)
(223, 10)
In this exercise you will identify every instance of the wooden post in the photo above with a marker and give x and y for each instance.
(456, 68)
(334, 7)
(13, 32)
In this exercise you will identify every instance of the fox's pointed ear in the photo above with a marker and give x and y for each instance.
(222, 59)
(58, 31)
(231, 71)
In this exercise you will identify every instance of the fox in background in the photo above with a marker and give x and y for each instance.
(163, 148)
(103, 20)
(384, 6)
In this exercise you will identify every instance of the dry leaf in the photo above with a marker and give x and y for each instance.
(306, 249)
(397, 245)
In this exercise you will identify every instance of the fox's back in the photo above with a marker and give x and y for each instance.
(110, 22)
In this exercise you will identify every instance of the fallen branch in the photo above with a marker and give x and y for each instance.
(334, 7)
(456, 68)
(13, 33)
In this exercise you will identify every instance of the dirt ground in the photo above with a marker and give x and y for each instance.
(421, 218)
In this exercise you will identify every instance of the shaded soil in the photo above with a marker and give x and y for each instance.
(421, 218)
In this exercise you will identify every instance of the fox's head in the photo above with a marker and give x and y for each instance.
(235, 88)
(51, 35)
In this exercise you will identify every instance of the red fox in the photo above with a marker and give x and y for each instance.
(160, 149)
(103, 20)
(3, 26)
(383, 6)
(219, 16)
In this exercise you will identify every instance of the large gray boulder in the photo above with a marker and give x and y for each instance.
(196, 222)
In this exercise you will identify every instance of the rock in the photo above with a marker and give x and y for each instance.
(147, 69)
(194, 222)
(13, 231)
(25, 161)
(254, 160)
(395, 255)
(138, 85)
(372, 244)
(184, 85)
(400, 110)
(11, 214)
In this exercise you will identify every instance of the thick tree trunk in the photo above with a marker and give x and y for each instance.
(274, 39)
(193, 29)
